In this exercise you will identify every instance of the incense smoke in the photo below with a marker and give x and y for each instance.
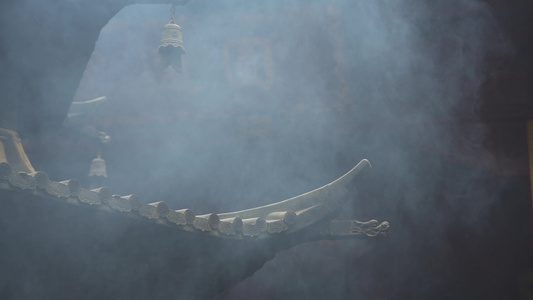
(279, 98)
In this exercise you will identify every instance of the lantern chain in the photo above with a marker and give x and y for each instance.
(172, 12)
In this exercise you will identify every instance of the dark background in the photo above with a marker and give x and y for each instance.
(436, 96)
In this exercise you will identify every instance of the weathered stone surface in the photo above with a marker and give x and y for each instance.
(89, 197)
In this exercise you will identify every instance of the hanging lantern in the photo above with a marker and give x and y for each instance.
(171, 47)
(98, 167)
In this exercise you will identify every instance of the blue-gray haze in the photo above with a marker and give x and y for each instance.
(334, 82)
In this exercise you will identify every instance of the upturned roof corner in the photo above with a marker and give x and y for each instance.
(314, 211)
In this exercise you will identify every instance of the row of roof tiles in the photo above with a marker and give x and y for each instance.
(260, 222)
(103, 198)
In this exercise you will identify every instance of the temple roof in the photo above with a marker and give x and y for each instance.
(268, 221)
